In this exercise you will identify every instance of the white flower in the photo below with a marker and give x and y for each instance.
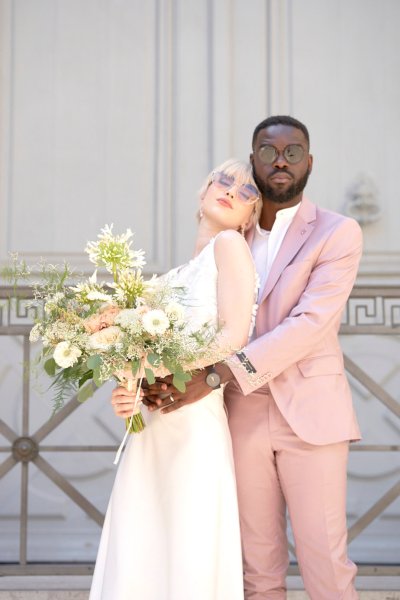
(52, 302)
(66, 354)
(93, 278)
(114, 251)
(105, 338)
(155, 322)
(58, 296)
(175, 311)
(129, 319)
(96, 295)
(34, 334)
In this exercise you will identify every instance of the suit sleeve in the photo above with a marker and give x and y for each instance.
(317, 312)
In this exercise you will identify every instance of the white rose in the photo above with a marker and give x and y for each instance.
(175, 311)
(103, 339)
(66, 354)
(155, 322)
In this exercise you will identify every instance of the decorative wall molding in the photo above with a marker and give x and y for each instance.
(363, 203)
(280, 57)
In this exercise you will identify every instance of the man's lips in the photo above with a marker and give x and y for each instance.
(281, 177)
(224, 202)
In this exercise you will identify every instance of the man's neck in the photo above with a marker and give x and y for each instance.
(270, 210)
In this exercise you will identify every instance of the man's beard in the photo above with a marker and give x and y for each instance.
(285, 196)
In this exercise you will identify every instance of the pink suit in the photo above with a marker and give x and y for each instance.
(291, 418)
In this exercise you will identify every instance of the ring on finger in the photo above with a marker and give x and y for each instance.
(172, 398)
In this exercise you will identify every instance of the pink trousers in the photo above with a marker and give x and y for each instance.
(275, 469)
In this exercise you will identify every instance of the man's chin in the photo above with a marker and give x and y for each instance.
(281, 197)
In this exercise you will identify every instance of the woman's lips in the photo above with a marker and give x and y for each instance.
(224, 202)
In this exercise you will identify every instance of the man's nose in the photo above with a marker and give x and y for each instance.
(280, 161)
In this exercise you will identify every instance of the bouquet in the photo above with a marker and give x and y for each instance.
(126, 329)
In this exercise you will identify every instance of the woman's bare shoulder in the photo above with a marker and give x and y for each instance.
(231, 243)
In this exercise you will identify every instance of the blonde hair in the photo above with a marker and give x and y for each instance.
(243, 173)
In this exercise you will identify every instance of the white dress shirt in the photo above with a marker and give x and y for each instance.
(266, 244)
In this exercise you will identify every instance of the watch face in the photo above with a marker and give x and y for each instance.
(213, 380)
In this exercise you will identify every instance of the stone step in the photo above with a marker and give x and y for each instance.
(84, 595)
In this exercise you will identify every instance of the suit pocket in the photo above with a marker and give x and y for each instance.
(321, 365)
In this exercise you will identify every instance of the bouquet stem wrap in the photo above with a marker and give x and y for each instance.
(135, 423)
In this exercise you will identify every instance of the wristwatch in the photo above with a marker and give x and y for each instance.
(212, 378)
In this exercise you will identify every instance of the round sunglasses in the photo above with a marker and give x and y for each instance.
(293, 154)
(246, 193)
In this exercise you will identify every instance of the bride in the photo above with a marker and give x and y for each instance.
(171, 530)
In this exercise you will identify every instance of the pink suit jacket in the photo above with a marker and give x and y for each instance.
(297, 351)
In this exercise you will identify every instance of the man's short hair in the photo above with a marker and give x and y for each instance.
(281, 120)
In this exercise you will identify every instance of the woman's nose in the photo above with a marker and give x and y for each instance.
(230, 194)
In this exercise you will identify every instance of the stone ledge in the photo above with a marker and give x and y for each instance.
(84, 595)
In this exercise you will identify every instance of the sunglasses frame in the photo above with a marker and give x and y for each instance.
(253, 199)
(277, 154)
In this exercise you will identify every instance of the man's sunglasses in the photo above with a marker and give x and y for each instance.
(293, 154)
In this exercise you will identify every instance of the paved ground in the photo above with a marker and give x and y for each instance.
(76, 588)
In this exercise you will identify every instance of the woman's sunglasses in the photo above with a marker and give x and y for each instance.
(246, 193)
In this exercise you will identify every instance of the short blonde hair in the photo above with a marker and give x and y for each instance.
(243, 173)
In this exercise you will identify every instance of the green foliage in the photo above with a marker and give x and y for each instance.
(85, 392)
(94, 362)
(50, 367)
(149, 376)
(179, 380)
(154, 359)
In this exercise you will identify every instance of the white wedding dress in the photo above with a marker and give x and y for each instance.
(172, 528)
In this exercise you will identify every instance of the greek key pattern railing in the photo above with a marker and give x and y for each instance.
(369, 311)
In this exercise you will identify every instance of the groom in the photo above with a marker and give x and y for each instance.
(289, 403)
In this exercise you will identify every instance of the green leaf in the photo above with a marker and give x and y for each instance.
(182, 376)
(50, 367)
(85, 377)
(168, 364)
(85, 392)
(179, 384)
(96, 377)
(154, 359)
(94, 362)
(150, 376)
(135, 364)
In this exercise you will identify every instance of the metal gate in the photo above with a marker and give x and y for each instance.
(369, 312)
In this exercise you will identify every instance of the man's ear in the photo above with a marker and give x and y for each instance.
(310, 162)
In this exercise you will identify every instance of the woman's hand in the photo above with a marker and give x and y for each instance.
(123, 402)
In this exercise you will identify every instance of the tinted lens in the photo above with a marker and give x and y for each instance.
(247, 193)
(223, 181)
(293, 153)
(267, 154)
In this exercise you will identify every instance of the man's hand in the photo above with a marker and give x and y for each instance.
(163, 395)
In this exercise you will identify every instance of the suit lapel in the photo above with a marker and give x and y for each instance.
(298, 232)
